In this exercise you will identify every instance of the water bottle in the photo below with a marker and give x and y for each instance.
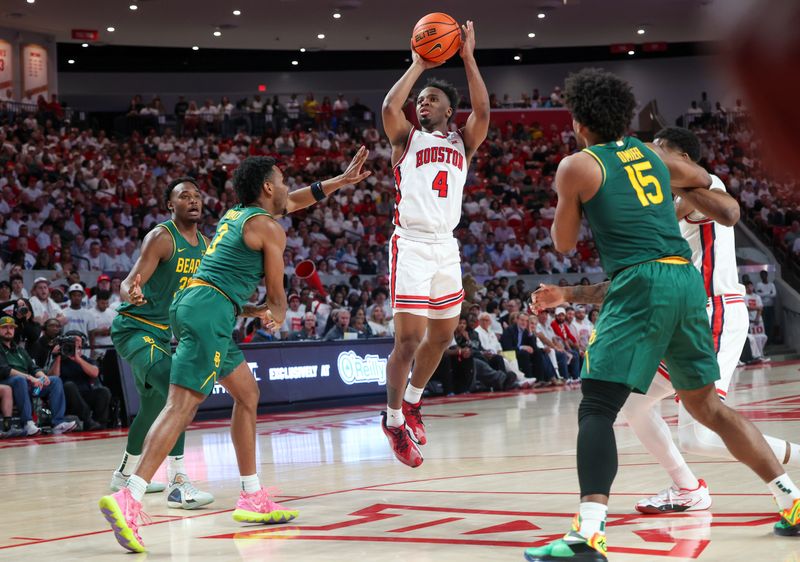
(37, 390)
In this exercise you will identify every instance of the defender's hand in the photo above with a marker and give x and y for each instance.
(354, 173)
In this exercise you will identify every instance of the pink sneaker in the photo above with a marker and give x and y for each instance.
(123, 512)
(258, 508)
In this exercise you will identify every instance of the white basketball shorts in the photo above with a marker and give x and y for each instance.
(425, 275)
(729, 321)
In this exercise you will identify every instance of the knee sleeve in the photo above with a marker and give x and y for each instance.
(597, 446)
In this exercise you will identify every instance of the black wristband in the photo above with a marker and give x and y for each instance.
(316, 191)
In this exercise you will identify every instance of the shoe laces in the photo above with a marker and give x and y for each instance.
(415, 414)
(134, 514)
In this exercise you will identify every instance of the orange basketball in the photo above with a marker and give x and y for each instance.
(436, 37)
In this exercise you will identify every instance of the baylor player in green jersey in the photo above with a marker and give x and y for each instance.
(248, 246)
(170, 255)
(654, 307)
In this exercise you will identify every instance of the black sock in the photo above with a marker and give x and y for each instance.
(6, 423)
(597, 447)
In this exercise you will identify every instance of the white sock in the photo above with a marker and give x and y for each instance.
(128, 464)
(174, 467)
(137, 486)
(683, 477)
(784, 490)
(593, 519)
(394, 418)
(794, 455)
(413, 394)
(250, 484)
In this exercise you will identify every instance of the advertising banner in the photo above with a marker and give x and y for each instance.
(298, 372)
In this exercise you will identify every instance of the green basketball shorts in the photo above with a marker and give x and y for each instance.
(653, 310)
(203, 319)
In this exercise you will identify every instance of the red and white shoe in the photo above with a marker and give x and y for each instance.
(676, 500)
(413, 415)
(402, 443)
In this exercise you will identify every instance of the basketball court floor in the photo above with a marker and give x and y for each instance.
(499, 475)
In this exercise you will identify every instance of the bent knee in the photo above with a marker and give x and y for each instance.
(695, 438)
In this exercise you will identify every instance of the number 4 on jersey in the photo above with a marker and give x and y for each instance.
(440, 183)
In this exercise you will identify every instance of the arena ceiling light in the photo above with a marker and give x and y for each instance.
(31, 1)
(217, 33)
(84, 45)
(195, 48)
(111, 29)
(517, 58)
(71, 61)
(541, 15)
(631, 52)
(531, 35)
(302, 49)
(295, 63)
(640, 31)
(133, 6)
(237, 12)
(337, 15)
(320, 36)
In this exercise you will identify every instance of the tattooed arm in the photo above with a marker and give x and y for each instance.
(550, 296)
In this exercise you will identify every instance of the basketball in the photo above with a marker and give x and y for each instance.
(436, 37)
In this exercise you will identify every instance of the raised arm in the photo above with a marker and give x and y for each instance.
(354, 174)
(395, 124)
(478, 121)
(158, 246)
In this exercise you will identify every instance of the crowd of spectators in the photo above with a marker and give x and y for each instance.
(78, 202)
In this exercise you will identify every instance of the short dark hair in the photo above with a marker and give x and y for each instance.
(103, 295)
(175, 183)
(601, 101)
(250, 175)
(679, 138)
(449, 90)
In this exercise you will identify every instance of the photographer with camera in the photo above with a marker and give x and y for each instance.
(86, 396)
(41, 348)
(18, 371)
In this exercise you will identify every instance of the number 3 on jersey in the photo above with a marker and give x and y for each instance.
(440, 183)
(221, 231)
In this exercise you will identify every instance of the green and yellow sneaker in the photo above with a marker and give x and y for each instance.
(574, 547)
(789, 525)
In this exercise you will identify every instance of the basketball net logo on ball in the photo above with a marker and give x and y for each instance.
(436, 37)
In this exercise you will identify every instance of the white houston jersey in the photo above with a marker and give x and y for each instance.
(713, 250)
(429, 179)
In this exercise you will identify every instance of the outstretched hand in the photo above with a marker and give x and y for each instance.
(546, 296)
(354, 173)
(260, 311)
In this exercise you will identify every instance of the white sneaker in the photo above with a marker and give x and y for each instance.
(183, 495)
(31, 428)
(676, 500)
(64, 427)
(118, 481)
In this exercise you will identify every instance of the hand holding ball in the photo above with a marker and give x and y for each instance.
(436, 37)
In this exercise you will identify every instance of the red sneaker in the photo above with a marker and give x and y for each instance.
(402, 443)
(413, 415)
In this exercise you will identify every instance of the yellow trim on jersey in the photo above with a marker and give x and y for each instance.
(161, 349)
(597, 159)
(674, 260)
(195, 282)
(174, 242)
(212, 375)
(264, 213)
(143, 321)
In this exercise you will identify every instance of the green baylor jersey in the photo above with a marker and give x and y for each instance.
(632, 216)
(229, 264)
(168, 277)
